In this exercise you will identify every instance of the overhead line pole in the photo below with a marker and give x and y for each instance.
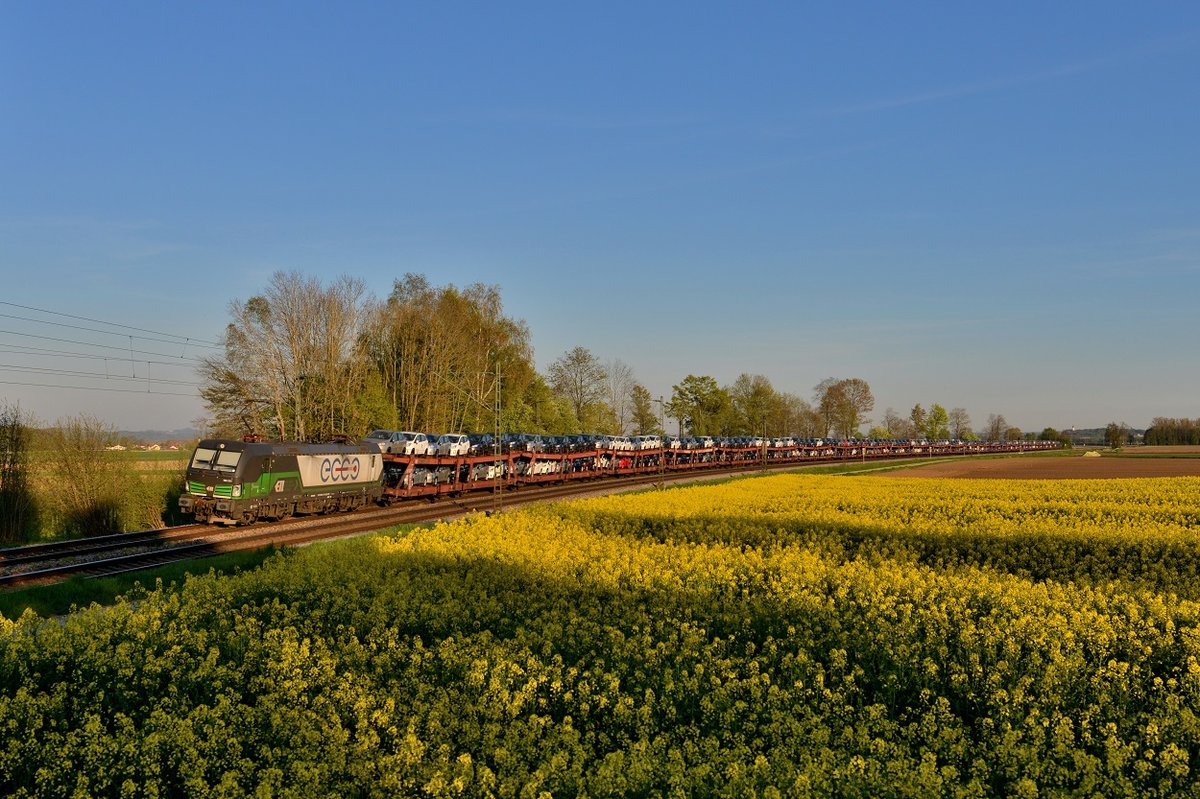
(498, 464)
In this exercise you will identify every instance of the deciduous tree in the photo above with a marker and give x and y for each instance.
(1116, 435)
(995, 427)
(580, 378)
(917, 418)
(700, 404)
(646, 420)
(1169, 431)
(897, 426)
(937, 423)
(619, 382)
(446, 355)
(960, 423)
(753, 398)
(289, 365)
(844, 404)
(1050, 434)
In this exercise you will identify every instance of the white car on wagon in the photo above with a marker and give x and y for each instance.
(408, 442)
(453, 444)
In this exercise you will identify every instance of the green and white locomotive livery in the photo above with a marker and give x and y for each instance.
(234, 482)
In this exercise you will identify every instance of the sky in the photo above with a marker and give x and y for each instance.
(993, 207)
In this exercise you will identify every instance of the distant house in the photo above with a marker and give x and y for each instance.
(153, 448)
(116, 448)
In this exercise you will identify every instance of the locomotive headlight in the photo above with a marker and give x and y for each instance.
(237, 490)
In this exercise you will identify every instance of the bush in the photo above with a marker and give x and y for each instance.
(85, 481)
(19, 520)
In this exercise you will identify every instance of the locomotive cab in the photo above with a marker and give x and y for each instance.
(214, 480)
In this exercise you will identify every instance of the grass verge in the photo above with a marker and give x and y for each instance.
(78, 592)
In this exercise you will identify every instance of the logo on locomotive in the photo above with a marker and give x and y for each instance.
(339, 469)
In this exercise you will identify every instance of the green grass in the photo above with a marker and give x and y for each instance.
(79, 592)
(126, 456)
(179, 455)
(60, 598)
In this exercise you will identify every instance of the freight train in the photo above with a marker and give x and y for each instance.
(239, 482)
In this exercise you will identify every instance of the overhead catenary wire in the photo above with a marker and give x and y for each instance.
(121, 347)
(161, 337)
(37, 355)
(96, 375)
(177, 338)
(24, 349)
(99, 388)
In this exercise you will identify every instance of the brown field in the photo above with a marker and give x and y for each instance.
(1169, 451)
(1065, 468)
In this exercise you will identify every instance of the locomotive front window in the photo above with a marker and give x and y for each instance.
(203, 458)
(227, 461)
(215, 460)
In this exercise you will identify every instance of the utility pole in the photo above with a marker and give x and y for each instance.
(766, 442)
(497, 448)
(662, 428)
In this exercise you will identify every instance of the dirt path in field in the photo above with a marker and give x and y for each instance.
(1065, 468)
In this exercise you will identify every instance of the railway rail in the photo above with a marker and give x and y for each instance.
(126, 552)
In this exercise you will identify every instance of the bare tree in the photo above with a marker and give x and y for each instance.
(960, 423)
(896, 425)
(288, 365)
(581, 379)
(805, 421)
(995, 427)
(619, 383)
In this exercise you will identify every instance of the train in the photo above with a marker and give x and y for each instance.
(234, 482)
(240, 482)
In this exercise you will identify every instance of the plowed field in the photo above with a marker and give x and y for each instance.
(1067, 468)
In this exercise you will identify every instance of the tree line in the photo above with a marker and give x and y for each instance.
(1168, 431)
(305, 361)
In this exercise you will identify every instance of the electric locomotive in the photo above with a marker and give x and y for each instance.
(235, 482)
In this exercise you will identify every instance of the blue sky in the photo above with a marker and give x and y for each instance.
(993, 208)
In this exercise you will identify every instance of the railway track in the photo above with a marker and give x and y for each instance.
(127, 552)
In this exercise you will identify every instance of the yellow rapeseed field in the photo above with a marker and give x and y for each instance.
(1145, 509)
(781, 636)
